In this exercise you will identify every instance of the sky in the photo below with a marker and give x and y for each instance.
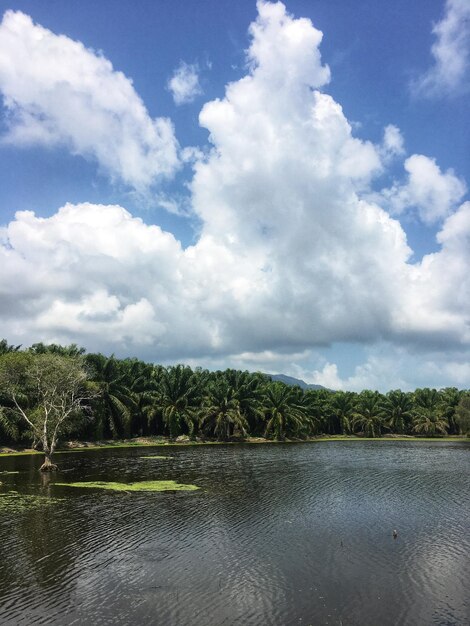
(258, 185)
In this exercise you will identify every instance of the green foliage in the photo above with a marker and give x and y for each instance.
(8, 422)
(342, 406)
(221, 412)
(5, 347)
(428, 413)
(283, 411)
(128, 397)
(449, 399)
(115, 401)
(46, 391)
(72, 350)
(322, 416)
(397, 411)
(178, 399)
(369, 413)
(462, 414)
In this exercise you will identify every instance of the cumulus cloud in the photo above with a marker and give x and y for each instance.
(290, 254)
(184, 84)
(281, 185)
(382, 365)
(92, 273)
(58, 92)
(328, 377)
(393, 144)
(432, 193)
(388, 367)
(449, 73)
(435, 303)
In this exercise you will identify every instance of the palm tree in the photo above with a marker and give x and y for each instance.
(462, 414)
(342, 406)
(398, 408)
(5, 347)
(317, 408)
(52, 348)
(248, 389)
(449, 401)
(179, 393)
(426, 423)
(221, 412)
(428, 416)
(319, 411)
(368, 413)
(115, 402)
(8, 423)
(144, 384)
(284, 414)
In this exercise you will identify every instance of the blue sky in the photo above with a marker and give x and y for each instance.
(289, 202)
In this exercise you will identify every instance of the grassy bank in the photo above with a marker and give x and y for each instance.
(145, 442)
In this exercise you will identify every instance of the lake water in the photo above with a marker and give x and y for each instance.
(277, 535)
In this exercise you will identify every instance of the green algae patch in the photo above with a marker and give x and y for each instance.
(12, 501)
(146, 485)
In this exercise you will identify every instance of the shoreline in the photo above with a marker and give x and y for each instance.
(149, 442)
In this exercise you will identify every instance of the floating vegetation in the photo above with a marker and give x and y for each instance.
(9, 472)
(19, 502)
(156, 457)
(146, 485)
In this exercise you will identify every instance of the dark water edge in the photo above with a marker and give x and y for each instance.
(285, 534)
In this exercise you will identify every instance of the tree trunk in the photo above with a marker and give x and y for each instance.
(48, 465)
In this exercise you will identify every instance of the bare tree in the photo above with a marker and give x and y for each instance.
(49, 392)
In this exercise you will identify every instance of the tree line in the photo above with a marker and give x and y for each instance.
(66, 391)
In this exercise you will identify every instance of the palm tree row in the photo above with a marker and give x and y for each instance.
(136, 398)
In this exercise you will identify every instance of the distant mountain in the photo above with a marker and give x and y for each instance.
(290, 380)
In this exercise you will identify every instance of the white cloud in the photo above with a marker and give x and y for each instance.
(328, 377)
(433, 193)
(95, 274)
(184, 84)
(389, 367)
(393, 144)
(449, 73)
(56, 91)
(280, 188)
(435, 304)
(267, 361)
(290, 255)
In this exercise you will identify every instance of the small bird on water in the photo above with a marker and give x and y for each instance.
(395, 534)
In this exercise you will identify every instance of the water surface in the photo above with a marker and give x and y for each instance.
(278, 534)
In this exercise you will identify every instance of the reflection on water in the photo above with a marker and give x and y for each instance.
(277, 534)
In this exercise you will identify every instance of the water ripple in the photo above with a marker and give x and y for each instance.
(288, 534)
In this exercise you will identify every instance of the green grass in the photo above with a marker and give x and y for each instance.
(110, 446)
(20, 453)
(147, 485)
(252, 441)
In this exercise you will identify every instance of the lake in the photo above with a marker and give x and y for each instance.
(278, 534)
